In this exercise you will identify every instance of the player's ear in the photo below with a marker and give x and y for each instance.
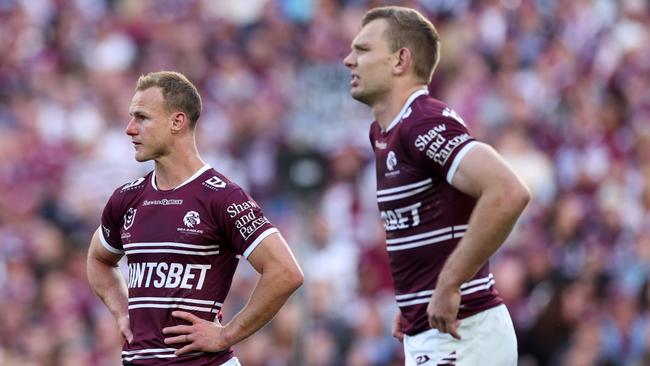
(179, 120)
(403, 60)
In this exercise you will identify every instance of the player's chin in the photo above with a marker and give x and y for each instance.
(141, 157)
(358, 95)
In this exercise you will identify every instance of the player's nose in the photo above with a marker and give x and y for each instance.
(348, 61)
(130, 128)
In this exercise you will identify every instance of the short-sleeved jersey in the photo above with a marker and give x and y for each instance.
(424, 215)
(182, 248)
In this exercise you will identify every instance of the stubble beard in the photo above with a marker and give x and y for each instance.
(143, 156)
(365, 98)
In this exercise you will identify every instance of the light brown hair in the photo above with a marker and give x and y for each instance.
(410, 29)
(179, 94)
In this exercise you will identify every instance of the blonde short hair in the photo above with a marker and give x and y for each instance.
(410, 29)
(179, 93)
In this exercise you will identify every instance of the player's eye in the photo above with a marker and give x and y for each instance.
(360, 48)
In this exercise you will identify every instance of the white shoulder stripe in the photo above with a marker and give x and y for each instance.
(106, 245)
(259, 239)
(461, 154)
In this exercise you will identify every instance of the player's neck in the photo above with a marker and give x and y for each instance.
(386, 110)
(175, 168)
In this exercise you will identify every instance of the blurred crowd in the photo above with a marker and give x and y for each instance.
(560, 88)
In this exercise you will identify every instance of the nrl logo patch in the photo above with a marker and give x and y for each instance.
(129, 217)
(191, 218)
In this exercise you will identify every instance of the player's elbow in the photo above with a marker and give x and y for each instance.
(517, 195)
(295, 278)
(287, 277)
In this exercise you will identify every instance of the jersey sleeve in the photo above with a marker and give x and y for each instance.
(438, 144)
(243, 222)
(109, 233)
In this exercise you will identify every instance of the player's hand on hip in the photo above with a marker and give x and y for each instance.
(199, 335)
(397, 327)
(125, 329)
(443, 310)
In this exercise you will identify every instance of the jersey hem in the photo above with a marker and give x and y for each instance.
(461, 316)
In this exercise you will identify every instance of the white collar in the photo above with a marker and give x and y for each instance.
(194, 176)
(406, 106)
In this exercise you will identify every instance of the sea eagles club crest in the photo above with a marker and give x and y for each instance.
(391, 160)
(191, 218)
(129, 217)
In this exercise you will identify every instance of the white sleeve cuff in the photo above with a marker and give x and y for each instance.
(258, 240)
(457, 159)
(105, 243)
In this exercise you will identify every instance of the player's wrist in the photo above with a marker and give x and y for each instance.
(226, 337)
(448, 285)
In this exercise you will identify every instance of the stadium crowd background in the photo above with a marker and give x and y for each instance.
(560, 88)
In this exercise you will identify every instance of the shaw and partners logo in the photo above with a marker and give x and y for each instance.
(129, 217)
(247, 217)
(162, 202)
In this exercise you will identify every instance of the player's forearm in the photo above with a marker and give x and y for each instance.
(271, 292)
(493, 218)
(108, 283)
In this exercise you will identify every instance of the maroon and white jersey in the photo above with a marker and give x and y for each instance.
(182, 247)
(424, 215)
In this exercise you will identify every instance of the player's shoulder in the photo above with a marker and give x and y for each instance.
(215, 184)
(429, 110)
(375, 129)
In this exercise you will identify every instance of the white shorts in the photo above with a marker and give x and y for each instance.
(487, 338)
(232, 362)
